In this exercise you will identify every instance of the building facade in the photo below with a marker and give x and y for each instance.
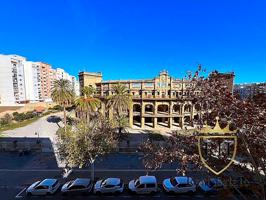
(159, 102)
(75, 85)
(23, 81)
(32, 82)
(12, 83)
(47, 79)
(249, 90)
(89, 79)
(6, 81)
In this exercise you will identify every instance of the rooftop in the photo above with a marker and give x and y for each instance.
(48, 182)
(112, 181)
(183, 179)
(147, 179)
(81, 181)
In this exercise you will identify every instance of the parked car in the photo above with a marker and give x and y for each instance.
(211, 185)
(179, 184)
(109, 185)
(143, 185)
(45, 187)
(77, 186)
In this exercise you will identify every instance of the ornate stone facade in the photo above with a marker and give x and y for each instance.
(159, 102)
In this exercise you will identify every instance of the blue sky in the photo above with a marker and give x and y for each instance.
(138, 38)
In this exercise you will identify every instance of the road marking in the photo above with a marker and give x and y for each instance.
(81, 170)
(18, 195)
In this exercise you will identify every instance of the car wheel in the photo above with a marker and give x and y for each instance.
(29, 194)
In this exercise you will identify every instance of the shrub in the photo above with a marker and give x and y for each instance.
(19, 117)
(7, 119)
(156, 137)
(57, 108)
(30, 114)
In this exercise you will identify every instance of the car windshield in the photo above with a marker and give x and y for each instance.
(70, 183)
(137, 182)
(104, 182)
(210, 184)
(55, 183)
(173, 181)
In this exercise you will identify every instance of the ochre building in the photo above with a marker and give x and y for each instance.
(158, 102)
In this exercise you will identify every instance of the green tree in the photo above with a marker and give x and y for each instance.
(87, 104)
(63, 94)
(120, 122)
(83, 144)
(120, 102)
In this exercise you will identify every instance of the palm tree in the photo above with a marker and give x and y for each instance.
(120, 102)
(88, 91)
(87, 104)
(63, 94)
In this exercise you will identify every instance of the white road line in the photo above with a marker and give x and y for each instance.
(81, 170)
(18, 195)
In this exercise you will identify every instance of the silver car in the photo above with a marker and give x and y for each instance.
(179, 184)
(77, 186)
(109, 185)
(211, 185)
(45, 187)
(143, 185)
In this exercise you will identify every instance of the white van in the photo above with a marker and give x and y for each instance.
(143, 185)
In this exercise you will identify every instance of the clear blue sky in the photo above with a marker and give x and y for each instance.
(138, 38)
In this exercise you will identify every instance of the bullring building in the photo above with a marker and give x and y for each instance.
(158, 102)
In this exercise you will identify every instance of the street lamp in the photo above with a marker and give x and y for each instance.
(38, 138)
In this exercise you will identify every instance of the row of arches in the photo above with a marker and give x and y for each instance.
(163, 108)
(164, 121)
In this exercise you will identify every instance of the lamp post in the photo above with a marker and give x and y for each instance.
(38, 137)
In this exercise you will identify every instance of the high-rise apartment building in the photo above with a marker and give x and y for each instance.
(23, 81)
(47, 79)
(12, 79)
(32, 81)
(75, 85)
(249, 90)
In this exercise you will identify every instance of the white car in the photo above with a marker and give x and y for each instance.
(77, 186)
(109, 185)
(211, 186)
(45, 187)
(179, 184)
(143, 185)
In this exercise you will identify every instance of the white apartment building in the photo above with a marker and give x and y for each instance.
(75, 84)
(61, 74)
(23, 81)
(12, 82)
(32, 81)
